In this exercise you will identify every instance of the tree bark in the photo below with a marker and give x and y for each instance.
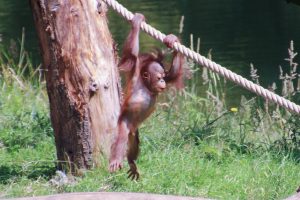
(81, 75)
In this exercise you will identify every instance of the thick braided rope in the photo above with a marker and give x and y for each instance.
(249, 85)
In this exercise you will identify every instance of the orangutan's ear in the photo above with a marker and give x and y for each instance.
(146, 75)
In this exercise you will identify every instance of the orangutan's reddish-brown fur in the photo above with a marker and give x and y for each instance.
(146, 78)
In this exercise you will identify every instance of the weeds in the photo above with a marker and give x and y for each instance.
(253, 127)
(25, 129)
(23, 103)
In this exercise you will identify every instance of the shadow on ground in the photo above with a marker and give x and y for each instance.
(11, 172)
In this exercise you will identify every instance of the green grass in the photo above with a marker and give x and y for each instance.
(189, 147)
(170, 163)
(181, 170)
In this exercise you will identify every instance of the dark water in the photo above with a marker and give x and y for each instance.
(239, 32)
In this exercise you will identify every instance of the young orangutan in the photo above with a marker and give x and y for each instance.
(146, 78)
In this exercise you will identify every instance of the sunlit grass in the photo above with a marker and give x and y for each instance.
(177, 170)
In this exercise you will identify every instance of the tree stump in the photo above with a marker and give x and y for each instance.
(82, 79)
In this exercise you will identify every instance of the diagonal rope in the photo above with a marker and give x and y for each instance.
(249, 85)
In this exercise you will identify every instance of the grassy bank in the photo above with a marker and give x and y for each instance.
(191, 145)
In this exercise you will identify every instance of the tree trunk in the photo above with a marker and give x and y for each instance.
(82, 78)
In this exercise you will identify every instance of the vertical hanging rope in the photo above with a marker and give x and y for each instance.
(249, 85)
